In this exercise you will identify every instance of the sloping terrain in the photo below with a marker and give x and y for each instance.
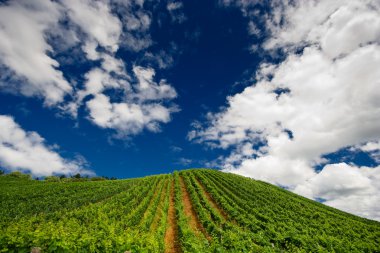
(189, 211)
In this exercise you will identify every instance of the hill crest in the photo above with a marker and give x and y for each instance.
(198, 210)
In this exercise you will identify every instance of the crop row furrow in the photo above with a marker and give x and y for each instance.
(193, 218)
(189, 241)
(150, 212)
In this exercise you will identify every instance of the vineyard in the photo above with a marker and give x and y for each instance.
(189, 211)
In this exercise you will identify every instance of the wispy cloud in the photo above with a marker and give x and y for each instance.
(184, 161)
(175, 149)
(175, 9)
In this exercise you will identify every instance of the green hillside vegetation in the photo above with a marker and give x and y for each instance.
(189, 211)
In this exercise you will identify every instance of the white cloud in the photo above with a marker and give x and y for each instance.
(140, 103)
(323, 98)
(95, 19)
(339, 27)
(140, 21)
(253, 29)
(138, 110)
(27, 151)
(349, 188)
(276, 170)
(127, 118)
(24, 50)
(99, 28)
(147, 89)
(141, 100)
(136, 24)
(174, 6)
(371, 146)
(137, 42)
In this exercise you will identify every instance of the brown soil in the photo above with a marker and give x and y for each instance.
(190, 212)
(171, 236)
(212, 201)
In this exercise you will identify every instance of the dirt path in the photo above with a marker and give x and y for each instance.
(171, 235)
(212, 201)
(190, 212)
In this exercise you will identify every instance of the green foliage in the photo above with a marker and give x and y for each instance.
(97, 179)
(77, 176)
(52, 179)
(284, 221)
(238, 215)
(189, 241)
(18, 175)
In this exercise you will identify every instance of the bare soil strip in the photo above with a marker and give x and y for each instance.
(190, 212)
(212, 201)
(171, 236)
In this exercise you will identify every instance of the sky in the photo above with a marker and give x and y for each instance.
(281, 91)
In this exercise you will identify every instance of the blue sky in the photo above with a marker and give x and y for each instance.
(204, 39)
(281, 91)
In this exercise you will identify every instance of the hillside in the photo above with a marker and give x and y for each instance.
(189, 211)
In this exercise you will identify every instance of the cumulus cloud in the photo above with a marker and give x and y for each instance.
(371, 146)
(96, 21)
(27, 151)
(28, 33)
(147, 89)
(127, 118)
(136, 23)
(140, 99)
(322, 97)
(338, 27)
(24, 50)
(347, 187)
